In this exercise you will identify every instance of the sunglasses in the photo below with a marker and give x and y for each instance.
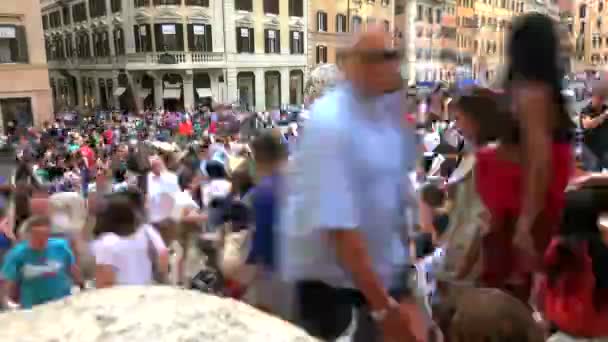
(378, 56)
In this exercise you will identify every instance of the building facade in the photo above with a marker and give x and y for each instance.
(492, 21)
(331, 23)
(590, 32)
(548, 7)
(426, 30)
(568, 41)
(25, 95)
(174, 54)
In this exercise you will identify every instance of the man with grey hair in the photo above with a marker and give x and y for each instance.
(342, 228)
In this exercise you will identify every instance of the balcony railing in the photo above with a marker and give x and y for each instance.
(176, 57)
(142, 58)
(204, 57)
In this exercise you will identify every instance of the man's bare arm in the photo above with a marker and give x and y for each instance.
(77, 275)
(352, 254)
(589, 123)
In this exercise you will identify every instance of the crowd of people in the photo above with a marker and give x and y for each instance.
(486, 227)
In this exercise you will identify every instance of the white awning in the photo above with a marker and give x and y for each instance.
(144, 92)
(204, 92)
(119, 91)
(172, 93)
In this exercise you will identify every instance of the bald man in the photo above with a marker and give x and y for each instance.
(343, 221)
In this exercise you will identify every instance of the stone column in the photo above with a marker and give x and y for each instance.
(110, 28)
(111, 41)
(133, 78)
(74, 45)
(153, 35)
(188, 90)
(116, 85)
(127, 27)
(86, 6)
(91, 43)
(410, 41)
(219, 8)
(260, 90)
(185, 35)
(96, 91)
(284, 86)
(230, 82)
(158, 93)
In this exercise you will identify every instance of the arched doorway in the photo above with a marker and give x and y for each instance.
(147, 91)
(126, 99)
(103, 96)
(110, 93)
(73, 91)
(245, 83)
(296, 87)
(173, 99)
(273, 89)
(202, 89)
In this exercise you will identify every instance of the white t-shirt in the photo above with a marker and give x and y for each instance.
(165, 183)
(217, 188)
(183, 202)
(129, 256)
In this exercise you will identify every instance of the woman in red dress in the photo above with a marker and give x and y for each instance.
(522, 181)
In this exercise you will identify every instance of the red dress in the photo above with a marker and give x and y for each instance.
(500, 183)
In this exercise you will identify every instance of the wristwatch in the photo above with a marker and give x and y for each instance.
(380, 315)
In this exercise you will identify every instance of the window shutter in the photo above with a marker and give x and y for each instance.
(291, 41)
(318, 21)
(148, 38)
(208, 39)
(136, 36)
(190, 33)
(318, 54)
(301, 42)
(266, 41)
(251, 41)
(239, 45)
(158, 35)
(179, 35)
(277, 39)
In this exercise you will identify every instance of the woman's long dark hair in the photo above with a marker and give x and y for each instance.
(482, 106)
(579, 228)
(533, 54)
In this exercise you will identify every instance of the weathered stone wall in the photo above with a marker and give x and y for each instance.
(146, 314)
